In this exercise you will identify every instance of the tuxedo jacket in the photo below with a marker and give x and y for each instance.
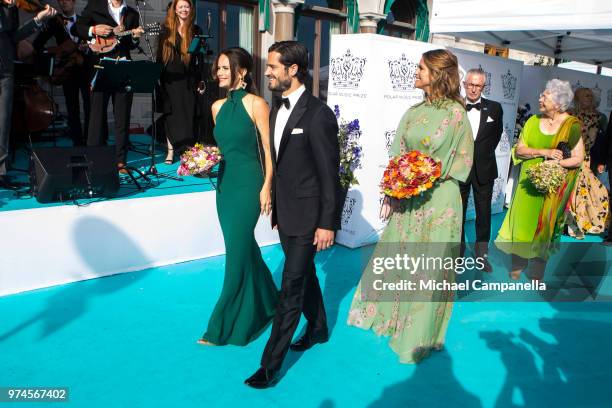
(96, 12)
(489, 134)
(306, 185)
(10, 34)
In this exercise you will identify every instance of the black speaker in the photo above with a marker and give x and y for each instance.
(66, 173)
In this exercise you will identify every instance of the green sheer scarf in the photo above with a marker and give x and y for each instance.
(556, 205)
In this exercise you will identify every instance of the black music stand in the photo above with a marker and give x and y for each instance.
(116, 75)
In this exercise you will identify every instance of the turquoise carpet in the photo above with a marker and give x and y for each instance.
(157, 186)
(130, 341)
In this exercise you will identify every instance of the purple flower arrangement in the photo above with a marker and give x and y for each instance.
(350, 150)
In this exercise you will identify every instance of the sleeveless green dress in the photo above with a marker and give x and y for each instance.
(248, 299)
(534, 221)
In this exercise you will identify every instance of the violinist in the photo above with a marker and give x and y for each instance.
(73, 68)
(104, 18)
(10, 34)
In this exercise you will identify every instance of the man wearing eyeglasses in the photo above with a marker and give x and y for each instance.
(485, 118)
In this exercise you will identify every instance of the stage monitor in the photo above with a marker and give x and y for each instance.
(68, 173)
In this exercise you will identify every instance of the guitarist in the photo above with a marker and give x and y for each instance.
(78, 66)
(105, 18)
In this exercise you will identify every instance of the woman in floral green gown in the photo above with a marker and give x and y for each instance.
(430, 223)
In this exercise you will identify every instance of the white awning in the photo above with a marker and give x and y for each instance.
(579, 30)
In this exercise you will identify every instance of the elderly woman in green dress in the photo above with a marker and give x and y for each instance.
(429, 224)
(535, 220)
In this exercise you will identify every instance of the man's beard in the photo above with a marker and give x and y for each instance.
(283, 85)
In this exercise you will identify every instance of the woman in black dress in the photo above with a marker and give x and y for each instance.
(181, 78)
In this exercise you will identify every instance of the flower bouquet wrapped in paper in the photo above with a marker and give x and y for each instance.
(410, 174)
(547, 177)
(199, 160)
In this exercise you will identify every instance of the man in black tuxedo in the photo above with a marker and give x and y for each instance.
(305, 203)
(103, 18)
(79, 75)
(486, 120)
(10, 34)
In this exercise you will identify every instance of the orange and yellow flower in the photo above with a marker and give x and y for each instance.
(410, 174)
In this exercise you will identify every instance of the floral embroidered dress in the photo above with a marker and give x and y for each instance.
(417, 321)
(589, 204)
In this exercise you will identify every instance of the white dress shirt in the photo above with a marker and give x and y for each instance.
(116, 12)
(474, 117)
(283, 116)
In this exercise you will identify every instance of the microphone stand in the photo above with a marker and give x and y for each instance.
(152, 170)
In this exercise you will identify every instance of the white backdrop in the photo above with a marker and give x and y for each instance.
(371, 79)
(503, 86)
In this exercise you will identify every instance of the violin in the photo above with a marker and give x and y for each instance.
(30, 6)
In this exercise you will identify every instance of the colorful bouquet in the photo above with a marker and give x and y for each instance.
(350, 149)
(199, 159)
(410, 174)
(547, 177)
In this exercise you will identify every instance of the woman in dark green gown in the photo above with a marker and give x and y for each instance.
(248, 298)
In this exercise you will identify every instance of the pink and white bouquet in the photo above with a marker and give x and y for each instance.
(199, 160)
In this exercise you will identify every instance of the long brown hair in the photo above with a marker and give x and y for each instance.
(239, 58)
(443, 75)
(168, 38)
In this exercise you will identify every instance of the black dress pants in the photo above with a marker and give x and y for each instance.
(483, 193)
(98, 120)
(78, 85)
(300, 293)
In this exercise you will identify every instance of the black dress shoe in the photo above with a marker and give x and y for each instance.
(6, 184)
(263, 378)
(308, 340)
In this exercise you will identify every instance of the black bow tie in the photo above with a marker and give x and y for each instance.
(283, 101)
(477, 106)
(69, 19)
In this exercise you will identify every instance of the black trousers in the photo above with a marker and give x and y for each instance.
(78, 84)
(98, 120)
(300, 293)
(483, 193)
